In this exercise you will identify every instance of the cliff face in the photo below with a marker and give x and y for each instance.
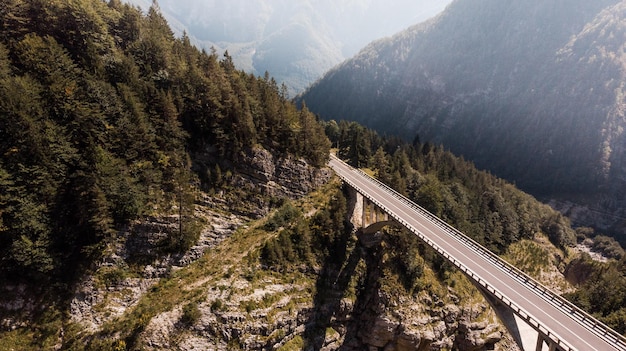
(279, 176)
(255, 310)
(233, 302)
(136, 261)
(384, 317)
(220, 295)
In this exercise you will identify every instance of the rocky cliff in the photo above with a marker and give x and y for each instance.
(279, 176)
(219, 295)
(226, 299)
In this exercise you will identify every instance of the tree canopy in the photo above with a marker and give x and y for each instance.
(490, 210)
(101, 112)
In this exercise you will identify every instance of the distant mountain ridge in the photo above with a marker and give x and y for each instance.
(295, 41)
(533, 91)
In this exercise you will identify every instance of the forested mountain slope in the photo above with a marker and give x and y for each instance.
(295, 41)
(529, 90)
(154, 197)
(101, 109)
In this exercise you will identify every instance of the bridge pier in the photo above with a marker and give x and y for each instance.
(362, 213)
(541, 341)
(502, 284)
(366, 218)
(372, 214)
(526, 337)
(355, 208)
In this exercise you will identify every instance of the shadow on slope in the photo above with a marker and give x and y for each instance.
(333, 285)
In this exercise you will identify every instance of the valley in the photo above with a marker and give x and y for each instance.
(155, 196)
(295, 42)
(529, 92)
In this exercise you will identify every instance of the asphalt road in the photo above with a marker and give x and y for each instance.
(559, 323)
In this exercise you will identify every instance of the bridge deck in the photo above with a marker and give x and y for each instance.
(544, 311)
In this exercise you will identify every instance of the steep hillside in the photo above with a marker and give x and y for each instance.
(154, 197)
(295, 41)
(529, 90)
(105, 118)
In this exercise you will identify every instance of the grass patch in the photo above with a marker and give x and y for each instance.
(235, 260)
(19, 339)
(295, 344)
(528, 256)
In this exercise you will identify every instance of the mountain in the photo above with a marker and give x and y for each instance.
(153, 197)
(295, 41)
(101, 112)
(531, 90)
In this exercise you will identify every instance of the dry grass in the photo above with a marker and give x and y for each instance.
(233, 265)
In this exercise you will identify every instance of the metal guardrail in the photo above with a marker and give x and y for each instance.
(585, 319)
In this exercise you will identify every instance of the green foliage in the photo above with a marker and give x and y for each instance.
(285, 214)
(430, 195)
(306, 241)
(191, 314)
(112, 276)
(186, 236)
(559, 230)
(330, 230)
(291, 247)
(482, 206)
(407, 259)
(217, 305)
(602, 290)
(101, 108)
(355, 143)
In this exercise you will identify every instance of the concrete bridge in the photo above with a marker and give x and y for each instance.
(536, 317)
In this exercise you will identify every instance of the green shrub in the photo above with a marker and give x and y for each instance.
(191, 314)
(217, 305)
(285, 214)
(112, 276)
(183, 239)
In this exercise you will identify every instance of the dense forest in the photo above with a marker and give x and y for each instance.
(487, 208)
(100, 109)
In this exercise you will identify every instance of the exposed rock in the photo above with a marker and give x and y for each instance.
(381, 319)
(285, 176)
(586, 248)
(377, 320)
(159, 330)
(382, 332)
(473, 336)
(95, 301)
(16, 307)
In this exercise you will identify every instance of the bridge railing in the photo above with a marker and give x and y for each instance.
(554, 299)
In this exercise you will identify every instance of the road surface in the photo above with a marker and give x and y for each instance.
(561, 325)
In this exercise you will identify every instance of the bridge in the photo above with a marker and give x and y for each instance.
(537, 318)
